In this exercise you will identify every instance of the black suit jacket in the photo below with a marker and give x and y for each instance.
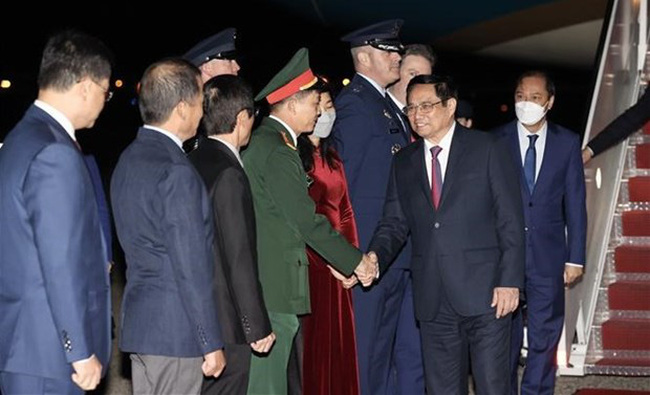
(623, 126)
(473, 242)
(242, 312)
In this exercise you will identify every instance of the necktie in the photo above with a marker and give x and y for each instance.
(529, 163)
(436, 176)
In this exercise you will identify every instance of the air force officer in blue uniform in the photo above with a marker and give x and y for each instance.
(369, 130)
(54, 287)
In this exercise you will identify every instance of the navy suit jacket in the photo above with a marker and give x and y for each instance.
(473, 242)
(557, 202)
(164, 224)
(367, 134)
(54, 284)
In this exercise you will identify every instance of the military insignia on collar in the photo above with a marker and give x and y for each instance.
(310, 180)
(288, 141)
(387, 114)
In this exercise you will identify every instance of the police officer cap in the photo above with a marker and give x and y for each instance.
(219, 46)
(382, 35)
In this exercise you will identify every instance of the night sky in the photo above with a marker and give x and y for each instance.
(268, 35)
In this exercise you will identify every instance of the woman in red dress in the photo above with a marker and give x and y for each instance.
(330, 352)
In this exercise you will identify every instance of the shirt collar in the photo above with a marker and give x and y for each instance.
(379, 88)
(58, 117)
(231, 147)
(524, 133)
(294, 137)
(398, 103)
(167, 133)
(445, 143)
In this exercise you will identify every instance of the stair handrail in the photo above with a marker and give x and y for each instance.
(616, 89)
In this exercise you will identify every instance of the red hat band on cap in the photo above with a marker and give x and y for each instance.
(301, 82)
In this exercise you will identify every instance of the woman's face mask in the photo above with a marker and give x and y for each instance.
(324, 124)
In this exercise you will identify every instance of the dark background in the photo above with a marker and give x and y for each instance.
(268, 35)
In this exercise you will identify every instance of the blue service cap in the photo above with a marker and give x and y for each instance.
(219, 46)
(382, 35)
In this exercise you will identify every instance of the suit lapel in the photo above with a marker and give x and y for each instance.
(417, 161)
(547, 159)
(515, 150)
(456, 153)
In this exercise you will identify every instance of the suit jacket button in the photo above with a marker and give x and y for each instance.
(436, 225)
(530, 204)
(526, 229)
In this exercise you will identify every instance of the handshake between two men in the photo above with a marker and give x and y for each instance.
(366, 272)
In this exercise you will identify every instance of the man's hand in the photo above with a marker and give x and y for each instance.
(366, 271)
(586, 155)
(347, 282)
(506, 300)
(263, 345)
(214, 363)
(572, 273)
(87, 373)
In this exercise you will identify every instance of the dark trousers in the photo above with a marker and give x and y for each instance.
(545, 318)
(444, 346)
(377, 312)
(234, 379)
(16, 384)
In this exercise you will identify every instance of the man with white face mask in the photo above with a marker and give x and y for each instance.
(553, 192)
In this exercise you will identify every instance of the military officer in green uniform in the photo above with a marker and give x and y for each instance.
(286, 220)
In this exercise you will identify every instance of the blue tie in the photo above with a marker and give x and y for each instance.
(529, 163)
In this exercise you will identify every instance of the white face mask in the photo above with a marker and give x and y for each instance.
(324, 124)
(529, 113)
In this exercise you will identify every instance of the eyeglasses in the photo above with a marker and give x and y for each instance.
(424, 107)
(108, 94)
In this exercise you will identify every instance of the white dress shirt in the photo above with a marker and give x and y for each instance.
(231, 147)
(58, 117)
(443, 156)
(540, 144)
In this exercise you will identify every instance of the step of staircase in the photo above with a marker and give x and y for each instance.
(636, 223)
(639, 189)
(629, 295)
(626, 334)
(643, 156)
(632, 259)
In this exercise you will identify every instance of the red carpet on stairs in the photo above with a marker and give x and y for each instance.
(632, 259)
(636, 223)
(600, 391)
(643, 156)
(639, 188)
(629, 295)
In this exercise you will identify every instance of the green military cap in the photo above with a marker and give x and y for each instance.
(296, 76)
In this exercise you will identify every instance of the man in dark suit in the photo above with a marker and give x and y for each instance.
(456, 193)
(164, 224)
(54, 285)
(368, 131)
(228, 120)
(548, 161)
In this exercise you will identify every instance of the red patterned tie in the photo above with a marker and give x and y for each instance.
(436, 176)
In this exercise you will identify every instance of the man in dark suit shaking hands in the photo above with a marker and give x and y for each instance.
(456, 193)
(228, 120)
(54, 288)
(164, 224)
